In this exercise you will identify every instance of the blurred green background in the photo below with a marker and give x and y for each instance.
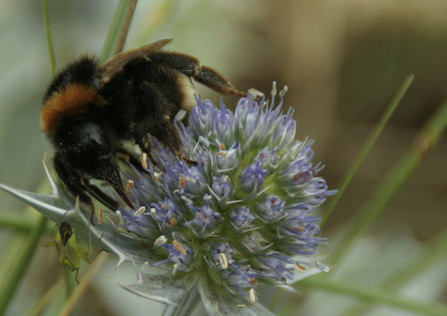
(342, 61)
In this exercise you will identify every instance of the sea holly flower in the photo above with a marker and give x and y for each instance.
(240, 217)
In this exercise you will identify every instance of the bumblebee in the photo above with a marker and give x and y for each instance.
(89, 109)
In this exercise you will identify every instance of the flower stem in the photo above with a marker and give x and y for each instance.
(185, 307)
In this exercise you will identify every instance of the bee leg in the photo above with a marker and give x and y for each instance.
(173, 140)
(167, 132)
(77, 186)
(191, 67)
(72, 187)
(161, 125)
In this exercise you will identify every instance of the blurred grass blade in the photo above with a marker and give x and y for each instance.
(368, 145)
(16, 221)
(122, 36)
(394, 181)
(49, 38)
(83, 285)
(39, 306)
(377, 295)
(18, 270)
(118, 25)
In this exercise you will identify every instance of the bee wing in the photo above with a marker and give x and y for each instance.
(108, 69)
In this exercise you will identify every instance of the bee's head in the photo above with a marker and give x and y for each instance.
(87, 148)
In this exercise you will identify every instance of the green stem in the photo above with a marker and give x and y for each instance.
(122, 36)
(118, 22)
(49, 38)
(16, 273)
(368, 145)
(20, 222)
(394, 181)
(379, 295)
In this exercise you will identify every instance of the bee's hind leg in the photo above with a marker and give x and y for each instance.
(191, 67)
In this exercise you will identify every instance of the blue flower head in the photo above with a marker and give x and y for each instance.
(242, 216)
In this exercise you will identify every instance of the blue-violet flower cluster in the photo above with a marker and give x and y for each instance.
(243, 214)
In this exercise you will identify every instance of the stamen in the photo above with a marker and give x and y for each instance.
(322, 267)
(144, 161)
(274, 90)
(254, 282)
(157, 176)
(129, 186)
(222, 146)
(176, 267)
(99, 221)
(300, 267)
(140, 211)
(283, 91)
(144, 266)
(182, 183)
(173, 221)
(179, 247)
(252, 295)
(223, 261)
(253, 94)
(180, 115)
(120, 217)
(160, 241)
(301, 228)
